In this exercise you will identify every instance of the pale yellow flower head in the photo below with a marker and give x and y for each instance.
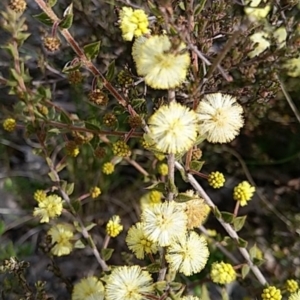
(61, 236)
(89, 288)
(220, 118)
(260, 43)
(293, 67)
(133, 22)
(295, 296)
(155, 60)
(138, 242)
(189, 254)
(196, 209)
(173, 128)
(130, 283)
(280, 34)
(48, 208)
(255, 12)
(163, 223)
(190, 298)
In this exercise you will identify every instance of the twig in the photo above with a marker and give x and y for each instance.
(229, 229)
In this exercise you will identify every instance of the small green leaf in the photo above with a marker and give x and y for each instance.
(245, 271)
(199, 140)
(183, 197)
(157, 186)
(22, 37)
(16, 75)
(217, 213)
(71, 66)
(181, 5)
(79, 245)
(111, 71)
(90, 227)
(106, 253)
(242, 243)
(51, 3)
(153, 268)
(67, 20)
(60, 166)
(76, 204)
(238, 223)
(255, 253)
(2, 227)
(52, 176)
(69, 188)
(227, 217)
(43, 18)
(160, 285)
(64, 117)
(175, 286)
(199, 7)
(196, 165)
(92, 126)
(183, 175)
(91, 51)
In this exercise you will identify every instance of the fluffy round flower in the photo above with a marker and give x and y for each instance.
(9, 124)
(216, 179)
(161, 67)
(189, 254)
(113, 227)
(196, 209)
(254, 12)
(222, 273)
(292, 285)
(293, 67)
(61, 236)
(138, 242)
(295, 296)
(130, 283)
(133, 22)
(164, 222)
(89, 288)
(190, 298)
(50, 207)
(280, 34)
(220, 118)
(260, 43)
(271, 293)
(243, 192)
(173, 127)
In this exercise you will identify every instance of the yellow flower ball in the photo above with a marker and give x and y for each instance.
(222, 273)
(271, 293)
(292, 285)
(243, 192)
(9, 124)
(216, 180)
(108, 168)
